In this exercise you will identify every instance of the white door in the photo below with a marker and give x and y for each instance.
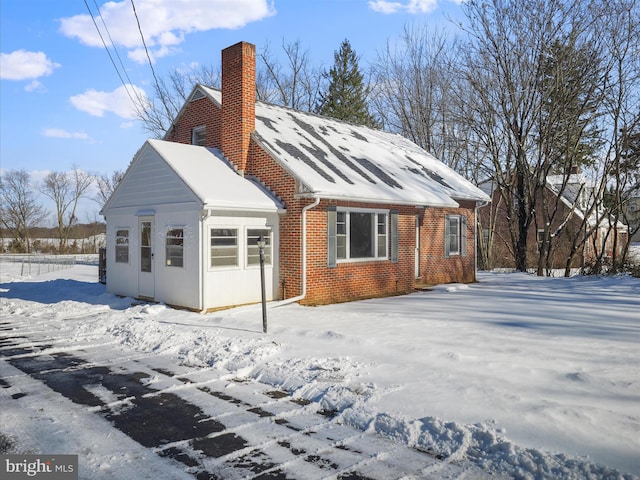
(146, 283)
(417, 252)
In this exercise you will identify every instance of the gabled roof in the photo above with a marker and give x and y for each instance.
(205, 173)
(212, 178)
(334, 159)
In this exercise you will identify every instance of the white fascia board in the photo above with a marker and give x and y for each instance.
(381, 201)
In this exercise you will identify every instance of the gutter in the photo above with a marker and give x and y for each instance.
(304, 257)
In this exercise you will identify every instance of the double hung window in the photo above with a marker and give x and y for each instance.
(455, 239)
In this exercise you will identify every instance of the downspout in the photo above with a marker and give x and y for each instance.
(204, 214)
(304, 257)
(475, 244)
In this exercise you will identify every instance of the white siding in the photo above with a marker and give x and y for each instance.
(150, 181)
(227, 286)
(122, 278)
(178, 285)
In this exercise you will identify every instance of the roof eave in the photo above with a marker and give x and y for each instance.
(234, 208)
(378, 200)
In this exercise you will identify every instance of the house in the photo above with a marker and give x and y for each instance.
(580, 221)
(348, 212)
(631, 209)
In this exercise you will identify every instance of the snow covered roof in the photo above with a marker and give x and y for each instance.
(212, 179)
(334, 159)
(577, 196)
(167, 172)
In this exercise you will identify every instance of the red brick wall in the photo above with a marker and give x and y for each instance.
(276, 178)
(353, 280)
(198, 113)
(434, 266)
(502, 250)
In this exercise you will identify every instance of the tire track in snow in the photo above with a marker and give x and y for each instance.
(259, 432)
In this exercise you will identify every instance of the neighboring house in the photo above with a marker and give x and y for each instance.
(348, 212)
(577, 217)
(632, 214)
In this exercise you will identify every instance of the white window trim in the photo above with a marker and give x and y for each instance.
(373, 211)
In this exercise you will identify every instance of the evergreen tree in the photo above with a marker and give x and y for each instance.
(571, 89)
(346, 94)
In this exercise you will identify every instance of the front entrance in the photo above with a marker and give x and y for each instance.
(146, 282)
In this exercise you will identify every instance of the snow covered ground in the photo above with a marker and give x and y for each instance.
(524, 376)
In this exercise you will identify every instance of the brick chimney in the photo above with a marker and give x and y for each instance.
(238, 102)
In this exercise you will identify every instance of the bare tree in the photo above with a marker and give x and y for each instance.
(169, 94)
(19, 209)
(293, 83)
(505, 61)
(66, 189)
(620, 30)
(106, 185)
(296, 83)
(414, 91)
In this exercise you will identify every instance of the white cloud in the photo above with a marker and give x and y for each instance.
(24, 65)
(35, 86)
(96, 103)
(139, 55)
(61, 133)
(164, 23)
(381, 6)
(412, 6)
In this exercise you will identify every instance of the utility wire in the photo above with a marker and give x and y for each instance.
(124, 84)
(155, 78)
(113, 45)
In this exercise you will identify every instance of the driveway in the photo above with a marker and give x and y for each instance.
(203, 423)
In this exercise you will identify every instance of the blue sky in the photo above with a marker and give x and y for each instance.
(62, 103)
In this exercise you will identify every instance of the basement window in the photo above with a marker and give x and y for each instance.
(199, 136)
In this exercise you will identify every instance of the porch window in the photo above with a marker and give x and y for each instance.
(224, 247)
(455, 240)
(174, 248)
(122, 246)
(253, 252)
(357, 234)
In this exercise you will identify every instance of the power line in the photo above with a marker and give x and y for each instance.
(124, 84)
(155, 78)
(113, 45)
